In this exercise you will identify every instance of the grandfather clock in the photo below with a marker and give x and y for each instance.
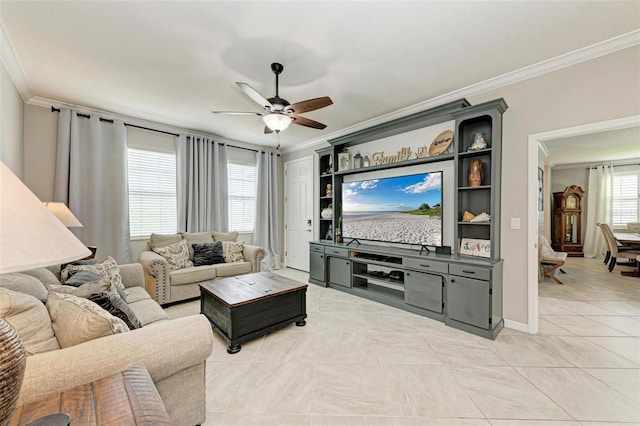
(566, 232)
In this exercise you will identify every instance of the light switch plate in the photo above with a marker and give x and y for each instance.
(515, 223)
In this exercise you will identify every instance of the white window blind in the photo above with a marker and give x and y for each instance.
(242, 196)
(626, 198)
(152, 193)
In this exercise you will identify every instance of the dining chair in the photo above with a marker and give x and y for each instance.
(633, 227)
(616, 251)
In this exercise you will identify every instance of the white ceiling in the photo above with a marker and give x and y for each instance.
(174, 62)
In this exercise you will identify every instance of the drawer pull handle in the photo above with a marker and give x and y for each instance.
(468, 272)
(425, 266)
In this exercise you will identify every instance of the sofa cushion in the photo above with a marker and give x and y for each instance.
(106, 267)
(24, 284)
(192, 275)
(148, 311)
(77, 320)
(136, 294)
(163, 240)
(86, 289)
(207, 254)
(233, 251)
(112, 303)
(196, 238)
(176, 255)
(225, 236)
(230, 269)
(30, 319)
(44, 275)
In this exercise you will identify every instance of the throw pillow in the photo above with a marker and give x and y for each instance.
(196, 237)
(77, 320)
(24, 284)
(207, 254)
(163, 240)
(233, 251)
(30, 319)
(225, 236)
(86, 289)
(106, 267)
(116, 307)
(77, 278)
(79, 262)
(177, 255)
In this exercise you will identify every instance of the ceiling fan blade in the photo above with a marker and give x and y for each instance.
(236, 113)
(267, 130)
(302, 121)
(310, 105)
(253, 94)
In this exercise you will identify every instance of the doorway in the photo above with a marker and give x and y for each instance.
(532, 199)
(298, 212)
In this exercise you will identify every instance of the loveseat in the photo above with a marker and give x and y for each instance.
(168, 285)
(173, 351)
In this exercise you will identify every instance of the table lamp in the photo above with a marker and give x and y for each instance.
(64, 215)
(30, 237)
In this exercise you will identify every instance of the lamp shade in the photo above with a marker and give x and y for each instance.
(30, 235)
(64, 215)
(276, 121)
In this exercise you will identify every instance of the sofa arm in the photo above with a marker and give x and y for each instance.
(254, 254)
(132, 275)
(165, 349)
(156, 276)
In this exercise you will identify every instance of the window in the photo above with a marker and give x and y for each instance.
(626, 197)
(152, 193)
(242, 196)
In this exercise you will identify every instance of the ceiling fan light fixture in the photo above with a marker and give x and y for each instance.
(277, 122)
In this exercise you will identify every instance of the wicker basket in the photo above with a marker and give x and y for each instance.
(12, 363)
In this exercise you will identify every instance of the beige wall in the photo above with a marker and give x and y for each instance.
(602, 89)
(11, 124)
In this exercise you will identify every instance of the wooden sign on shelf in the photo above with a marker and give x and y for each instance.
(474, 247)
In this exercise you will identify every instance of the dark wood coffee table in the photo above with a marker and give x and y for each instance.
(248, 306)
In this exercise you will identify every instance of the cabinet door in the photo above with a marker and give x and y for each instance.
(468, 301)
(423, 290)
(340, 271)
(316, 261)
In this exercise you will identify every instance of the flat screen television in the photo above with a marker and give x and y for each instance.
(401, 209)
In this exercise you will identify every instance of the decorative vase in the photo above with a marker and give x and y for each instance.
(327, 213)
(12, 364)
(475, 174)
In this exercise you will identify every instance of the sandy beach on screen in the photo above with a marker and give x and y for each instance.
(395, 227)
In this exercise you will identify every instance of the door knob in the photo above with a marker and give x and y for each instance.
(309, 222)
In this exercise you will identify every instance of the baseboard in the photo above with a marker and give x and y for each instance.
(515, 325)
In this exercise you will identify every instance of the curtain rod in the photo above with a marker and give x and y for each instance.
(54, 109)
(613, 165)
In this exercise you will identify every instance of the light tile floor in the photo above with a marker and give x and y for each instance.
(361, 363)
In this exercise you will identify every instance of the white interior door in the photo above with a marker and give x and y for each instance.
(298, 220)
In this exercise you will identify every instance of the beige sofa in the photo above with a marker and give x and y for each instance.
(167, 286)
(174, 352)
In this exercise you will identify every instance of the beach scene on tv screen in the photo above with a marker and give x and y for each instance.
(401, 209)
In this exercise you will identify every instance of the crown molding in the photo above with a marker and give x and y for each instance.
(584, 54)
(13, 66)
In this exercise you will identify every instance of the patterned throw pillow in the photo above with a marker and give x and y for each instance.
(177, 255)
(77, 320)
(207, 253)
(106, 267)
(112, 303)
(233, 251)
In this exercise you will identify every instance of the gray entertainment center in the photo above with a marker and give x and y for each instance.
(464, 291)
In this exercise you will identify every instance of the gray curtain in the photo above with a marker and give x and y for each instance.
(202, 184)
(266, 233)
(91, 177)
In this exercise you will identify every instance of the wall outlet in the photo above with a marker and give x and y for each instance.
(515, 223)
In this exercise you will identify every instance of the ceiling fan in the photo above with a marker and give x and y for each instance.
(278, 112)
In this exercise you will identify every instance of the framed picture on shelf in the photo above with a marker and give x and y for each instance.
(344, 161)
(474, 247)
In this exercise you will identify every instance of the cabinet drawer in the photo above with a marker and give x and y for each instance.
(316, 247)
(337, 251)
(426, 265)
(471, 272)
